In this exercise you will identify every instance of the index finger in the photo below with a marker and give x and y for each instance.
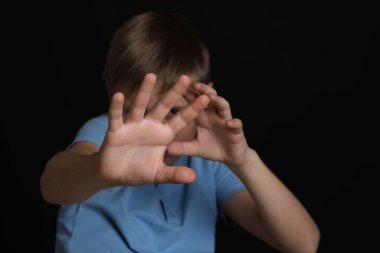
(202, 88)
(188, 114)
(138, 106)
(165, 104)
(115, 113)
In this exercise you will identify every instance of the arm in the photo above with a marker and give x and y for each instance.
(70, 176)
(267, 209)
(270, 211)
(132, 151)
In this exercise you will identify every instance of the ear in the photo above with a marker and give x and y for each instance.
(210, 84)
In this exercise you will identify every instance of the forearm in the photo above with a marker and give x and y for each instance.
(70, 178)
(282, 215)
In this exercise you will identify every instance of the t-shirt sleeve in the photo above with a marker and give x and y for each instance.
(227, 184)
(93, 130)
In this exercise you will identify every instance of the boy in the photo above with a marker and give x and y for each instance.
(153, 174)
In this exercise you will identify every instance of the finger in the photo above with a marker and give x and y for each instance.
(235, 125)
(186, 115)
(115, 113)
(138, 106)
(202, 88)
(166, 103)
(176, 175)
(190, 97)
(183, 148)
(222, 106)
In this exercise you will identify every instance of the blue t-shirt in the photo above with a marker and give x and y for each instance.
(164, 218)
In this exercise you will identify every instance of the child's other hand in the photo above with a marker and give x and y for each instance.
(133, 149)
(219, 136)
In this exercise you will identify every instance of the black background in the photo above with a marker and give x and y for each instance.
(301, 76)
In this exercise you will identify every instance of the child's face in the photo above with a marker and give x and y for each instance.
(185, 134)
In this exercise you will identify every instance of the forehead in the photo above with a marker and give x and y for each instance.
(156, 94)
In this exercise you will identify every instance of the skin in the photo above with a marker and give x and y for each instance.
(143, 151)
(144, 138)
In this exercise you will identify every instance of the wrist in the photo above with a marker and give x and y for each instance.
(101, 181)
(249, 164)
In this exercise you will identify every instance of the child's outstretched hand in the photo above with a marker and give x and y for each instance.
(133, 150)
(219, 136)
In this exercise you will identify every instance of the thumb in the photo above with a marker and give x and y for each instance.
(175, 175)
(183, 148)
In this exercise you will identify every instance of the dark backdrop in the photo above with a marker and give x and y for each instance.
(301, 76)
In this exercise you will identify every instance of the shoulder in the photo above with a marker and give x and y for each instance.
(97, 120)
(98, 123)
(199, 162)
(204, 163)
(93, 130)
(203, 166)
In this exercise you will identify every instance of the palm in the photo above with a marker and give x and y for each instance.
(133, 150)
(215, 140)
(219, 137)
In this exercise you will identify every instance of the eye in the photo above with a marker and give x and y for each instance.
(125, 110)
(174, 110)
